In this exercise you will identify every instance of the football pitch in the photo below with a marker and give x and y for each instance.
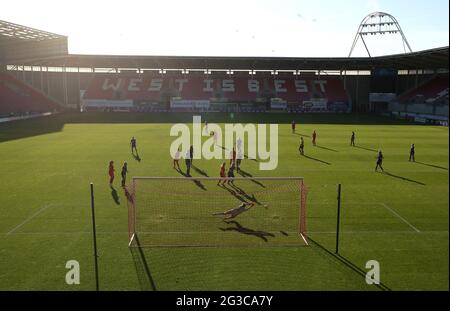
(398, 218)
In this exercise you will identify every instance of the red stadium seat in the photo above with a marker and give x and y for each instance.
(18, 97)
(221, 87)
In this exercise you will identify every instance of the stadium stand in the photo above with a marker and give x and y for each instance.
(81, 82)
(429, 98)
(220, 92)
(19, 98)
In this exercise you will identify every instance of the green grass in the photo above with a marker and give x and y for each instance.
(399, 219)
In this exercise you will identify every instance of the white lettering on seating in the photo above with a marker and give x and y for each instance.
(132, 86)
(279, 86)
(228, 85)
(300, 86)
(107, 85)
(322, 84)
(253, 86)
(208, 87)
(180, 82)
(155, 85)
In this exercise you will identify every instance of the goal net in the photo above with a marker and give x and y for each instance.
(197, 212)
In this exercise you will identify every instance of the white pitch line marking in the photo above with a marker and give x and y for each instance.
(29, 218)
(400, 217)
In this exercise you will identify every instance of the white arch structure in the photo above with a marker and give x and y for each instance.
(378, 23)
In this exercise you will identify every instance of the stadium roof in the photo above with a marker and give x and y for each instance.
(427, 59)
(18, 43)
(10, 31)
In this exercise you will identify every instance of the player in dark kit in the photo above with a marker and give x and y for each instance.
(314, 136)
(301, 148)
(191, 154)
(293, 126)
(352, 139)
(243, 207)
(124, 173)
(379, 161)
(231, 174)
(239, 161)
(411, 153)
(188, 161)
(133, 145)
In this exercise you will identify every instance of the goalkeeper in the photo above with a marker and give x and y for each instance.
(232, 213)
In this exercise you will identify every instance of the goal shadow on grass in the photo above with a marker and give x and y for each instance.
(346, 262)
(146, 281)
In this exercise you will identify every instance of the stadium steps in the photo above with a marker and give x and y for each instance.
(406, 95)
(19, 97)
(37, 90)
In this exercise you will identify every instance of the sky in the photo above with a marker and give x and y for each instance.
(281, 28)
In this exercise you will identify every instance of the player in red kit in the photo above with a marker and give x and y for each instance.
(293, 126)
(223, 177)
(314, 136)
(111, 172)
(233, 156)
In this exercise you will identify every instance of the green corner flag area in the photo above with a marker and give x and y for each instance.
(179, 233)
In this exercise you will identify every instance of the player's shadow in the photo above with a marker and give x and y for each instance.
(144, 275)
(246, 174)
(241, 191)
(432, 165)
(345, 262)
(137, 157)
(263, 235)
(180, 172)
(329, 149)
(404, 178)
(233, 192)
(318, 160)
(368, 149)
(200, 171)
(114, 195)
(199, 184)
(303, 135)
